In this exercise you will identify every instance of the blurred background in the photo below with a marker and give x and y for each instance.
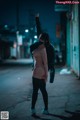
(60, 20)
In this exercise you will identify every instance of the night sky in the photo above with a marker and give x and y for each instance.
(45, 8)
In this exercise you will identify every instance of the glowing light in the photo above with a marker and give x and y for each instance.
(35, 36)
(14, 45)
(6, 26)
(26, 30)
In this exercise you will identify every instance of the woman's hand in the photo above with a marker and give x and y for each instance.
(37, 15)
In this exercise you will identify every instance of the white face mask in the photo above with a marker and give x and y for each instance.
(40, 39)
(40, 36)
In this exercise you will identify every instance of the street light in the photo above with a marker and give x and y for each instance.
(35, 36)
(26, 30)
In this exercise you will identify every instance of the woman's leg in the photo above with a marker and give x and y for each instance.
(35, 92)
(44, 93)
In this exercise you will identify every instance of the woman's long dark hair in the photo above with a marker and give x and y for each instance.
(45, 38)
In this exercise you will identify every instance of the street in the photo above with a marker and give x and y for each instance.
(15, 88)
(16, 91)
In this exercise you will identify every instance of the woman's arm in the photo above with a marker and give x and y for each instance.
(38, 25)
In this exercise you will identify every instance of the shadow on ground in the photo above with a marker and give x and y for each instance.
(74, 116)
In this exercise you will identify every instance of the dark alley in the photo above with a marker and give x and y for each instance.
(40, 40)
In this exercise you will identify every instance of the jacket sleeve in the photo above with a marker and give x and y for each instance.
(38, 26)
(45, 62)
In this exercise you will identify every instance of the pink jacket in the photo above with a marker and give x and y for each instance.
(40, 63)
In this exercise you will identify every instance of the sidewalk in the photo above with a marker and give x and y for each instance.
(64, 97)
(18, 61)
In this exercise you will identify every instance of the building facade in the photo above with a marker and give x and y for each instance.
(73, 39)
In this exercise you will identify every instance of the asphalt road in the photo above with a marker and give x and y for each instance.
(16, 91)
(15, 88)
(14, 77)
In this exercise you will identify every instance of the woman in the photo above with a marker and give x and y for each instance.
(40, 74)
(49, 49)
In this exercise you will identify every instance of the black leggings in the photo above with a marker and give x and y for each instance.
(39, 84)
